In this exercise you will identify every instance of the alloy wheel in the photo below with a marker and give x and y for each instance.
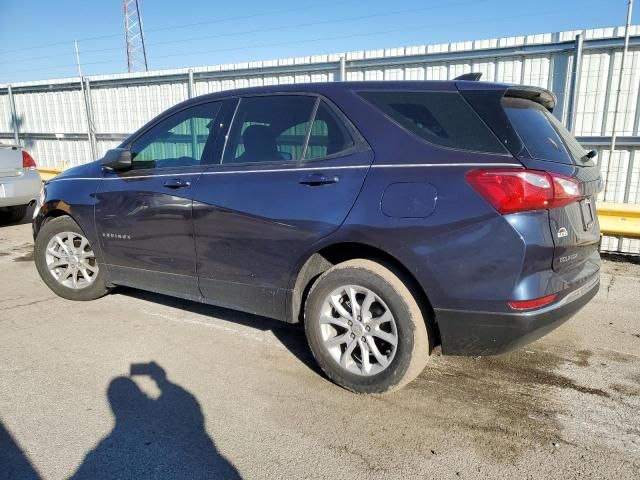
(71, 260)
(358, 330)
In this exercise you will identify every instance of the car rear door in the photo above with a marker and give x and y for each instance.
(291, 170)
(144, 215)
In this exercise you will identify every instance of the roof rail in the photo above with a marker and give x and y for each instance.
(472, 77)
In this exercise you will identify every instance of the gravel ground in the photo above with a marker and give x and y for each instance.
(242, 398)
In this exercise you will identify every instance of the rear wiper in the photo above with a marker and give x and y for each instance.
(589, 155)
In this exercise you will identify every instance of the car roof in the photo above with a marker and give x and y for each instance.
(538, 94)
(336, 87)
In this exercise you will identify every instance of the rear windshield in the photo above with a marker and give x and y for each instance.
(442, 118)
(542, 134)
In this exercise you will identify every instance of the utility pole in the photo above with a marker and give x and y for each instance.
(614, 133)
(136, 51)
(86, 100)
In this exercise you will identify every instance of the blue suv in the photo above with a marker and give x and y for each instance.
(389, 217)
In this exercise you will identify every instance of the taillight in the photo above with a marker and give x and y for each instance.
(531, 304)
(519, 190)
(27, 160)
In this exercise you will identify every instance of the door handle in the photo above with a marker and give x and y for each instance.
(176, 183)
(315, 179)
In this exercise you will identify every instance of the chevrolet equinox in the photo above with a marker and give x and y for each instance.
(388, 217)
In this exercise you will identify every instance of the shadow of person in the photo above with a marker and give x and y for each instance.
(14, 463)
(160, 438)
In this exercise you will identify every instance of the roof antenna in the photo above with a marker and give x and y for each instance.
(472, 77)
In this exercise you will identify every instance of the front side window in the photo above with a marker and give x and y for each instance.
(184, 139)
(442, 118)
(269, 129)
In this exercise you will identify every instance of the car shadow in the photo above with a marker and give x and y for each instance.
(290, 335)
(158, 438)
(26, 219)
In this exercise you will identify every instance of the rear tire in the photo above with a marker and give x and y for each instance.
(13, 214)
(66, 262)
(381, 346)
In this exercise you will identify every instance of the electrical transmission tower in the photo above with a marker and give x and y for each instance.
(136, 52)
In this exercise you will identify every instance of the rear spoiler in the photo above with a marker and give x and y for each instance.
(539, 95)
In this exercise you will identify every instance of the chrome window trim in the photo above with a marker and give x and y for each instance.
(301, 169)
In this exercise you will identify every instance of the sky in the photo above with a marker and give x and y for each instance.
(37, 36)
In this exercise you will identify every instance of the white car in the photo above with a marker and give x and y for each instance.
(20, 182)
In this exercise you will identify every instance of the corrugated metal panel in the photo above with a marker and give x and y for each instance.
(5, 114)
(121, 103)
(124, 109)
(414, 72)
(51, 112)
(457, 69)
(437, 72)
(614, 174)
(103, 145)
(628, 94)
(59, 154)
(509, 70)
(487, 68)
(536, 71)
(592, 93)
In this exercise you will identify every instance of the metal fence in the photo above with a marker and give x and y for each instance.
(63, 124)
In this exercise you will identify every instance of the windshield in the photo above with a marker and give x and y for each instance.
(541, 133)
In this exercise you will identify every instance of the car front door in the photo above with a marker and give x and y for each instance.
(144, 215)
(291, 170)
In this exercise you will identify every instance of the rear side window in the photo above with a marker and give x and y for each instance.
(329, 136)
(537, 129)
(442, 118)
(269, 129)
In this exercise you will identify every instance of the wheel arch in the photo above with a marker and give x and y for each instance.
(57, 208)
(53, 209)
(328, 256)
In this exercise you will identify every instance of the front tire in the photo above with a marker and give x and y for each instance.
(66, 262)
(365, 327)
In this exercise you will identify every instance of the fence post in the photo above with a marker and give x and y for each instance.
(343, 68)
(190, 85)
(575, 83)
(92, 128)
(14, 116)
(192, 122)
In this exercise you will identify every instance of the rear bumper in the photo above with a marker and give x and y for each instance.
(21, 189)
(488, 333)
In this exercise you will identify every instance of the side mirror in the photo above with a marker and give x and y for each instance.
(117, 159)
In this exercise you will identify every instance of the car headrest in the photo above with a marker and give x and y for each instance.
(259, 138)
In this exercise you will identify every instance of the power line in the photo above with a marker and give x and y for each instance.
(270, 29)
(319, 39)
(185, 25)
(356, 35)
(322, 22)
